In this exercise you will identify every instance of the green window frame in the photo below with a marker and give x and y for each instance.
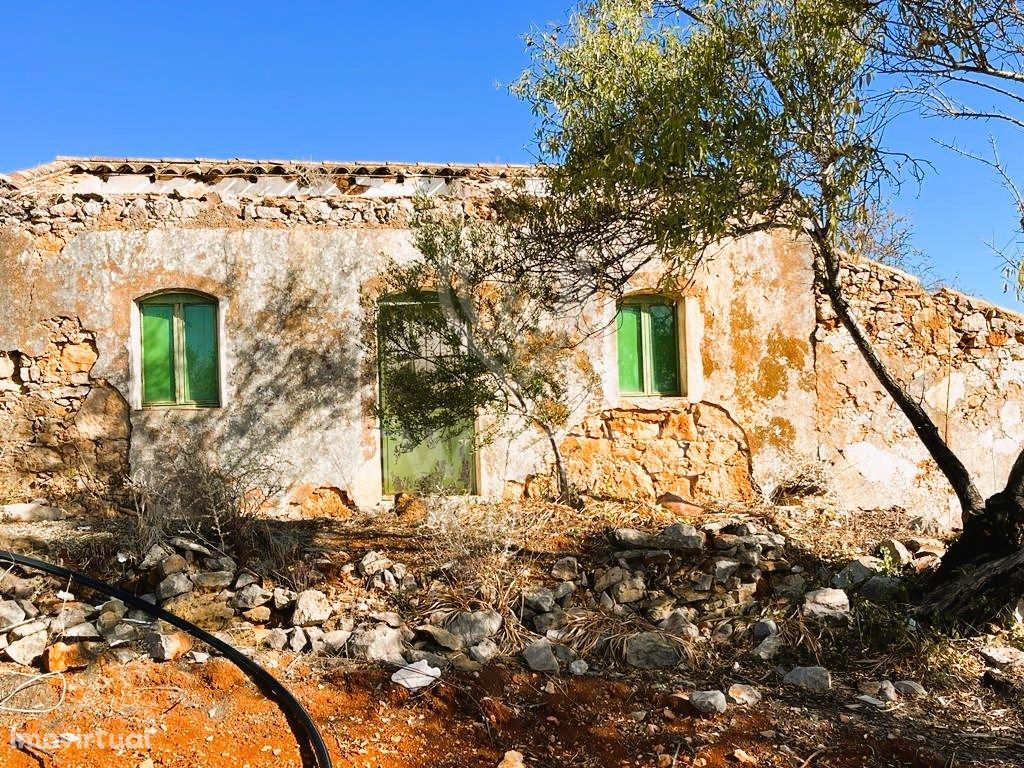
(647, 336)
(180, 354)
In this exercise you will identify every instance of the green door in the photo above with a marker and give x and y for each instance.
(440, 462)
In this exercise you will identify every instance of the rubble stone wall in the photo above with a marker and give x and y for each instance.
(770, 373)
(695, 452)
(962, 357)
(59, 424)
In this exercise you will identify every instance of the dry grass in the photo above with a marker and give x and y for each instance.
(214, 501)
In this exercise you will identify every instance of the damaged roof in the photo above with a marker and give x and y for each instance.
(62, 170)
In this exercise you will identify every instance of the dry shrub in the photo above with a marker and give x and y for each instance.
(482, 552)
(216, 501)
(795, 476)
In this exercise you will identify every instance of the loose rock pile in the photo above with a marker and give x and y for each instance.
(679, 586)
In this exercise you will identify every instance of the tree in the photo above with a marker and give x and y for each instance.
(472, 335)
(695, 122)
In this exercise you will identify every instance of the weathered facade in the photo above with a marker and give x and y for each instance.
(284, 253)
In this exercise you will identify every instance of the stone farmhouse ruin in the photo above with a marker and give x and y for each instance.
(151, 304)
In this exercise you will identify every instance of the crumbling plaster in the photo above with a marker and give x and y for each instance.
(769, 372)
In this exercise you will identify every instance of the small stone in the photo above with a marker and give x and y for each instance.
(250, 596)
(474, 626)
(827, 604)
(379, 643)
(311, 608)
(442, 637)
(856, 572)
(120, 634)
(276, 639)
(539, 657)
(566, 569)
(651, 650)
(815, 679)
(10, 614)
(744, 694)
(297, 639)
(910, 688)
(681, 537)
(678, 623)
(258, 615)
(484, 651)
(865, 699)
(893, 551)
(334, 642)
(881, 589)
(579, 667)
(247, 578)
(374, 562)
(169, 647)
(725, 568)
(708, 702)
(24, 630)
(179, 542)
(174, 563)
(1001, 656)
(538, 600)
(391, 618)
(610, 577)
(26, 650)
(84, 631)
(174, 585)
(768, 648)
(214, 579)
(629, 590)
(154, 555)
(763, 628)
(220, 563)
(547, 622)
(61, 657)
(282, 598)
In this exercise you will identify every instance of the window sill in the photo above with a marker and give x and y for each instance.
(653, 402)
(179, 407)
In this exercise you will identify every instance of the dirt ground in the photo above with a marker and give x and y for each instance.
(210, 715)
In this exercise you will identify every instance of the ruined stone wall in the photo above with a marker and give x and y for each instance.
(770, 374)
(962, 357)
(64, 433)
(288, 274)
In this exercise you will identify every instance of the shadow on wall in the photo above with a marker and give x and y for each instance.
(293, 387)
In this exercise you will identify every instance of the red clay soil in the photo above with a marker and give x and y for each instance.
(210, 716)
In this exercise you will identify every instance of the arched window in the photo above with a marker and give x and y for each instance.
(180, 363)
(647, 334)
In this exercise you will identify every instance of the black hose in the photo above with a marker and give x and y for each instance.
(311, 744)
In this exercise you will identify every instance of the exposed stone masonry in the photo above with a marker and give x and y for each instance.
(961, 356)
(696, 452)
(56, 421)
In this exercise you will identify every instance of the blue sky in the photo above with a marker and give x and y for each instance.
(357, 80)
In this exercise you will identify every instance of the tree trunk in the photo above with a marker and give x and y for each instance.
(564, 492)
(978, 596)
(956, 473)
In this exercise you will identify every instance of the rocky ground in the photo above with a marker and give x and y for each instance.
(448, 636)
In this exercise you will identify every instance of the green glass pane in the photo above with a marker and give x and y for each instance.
(628, 336)
(664, 349)
(409, 337)
(201, 379)
(157, 354)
